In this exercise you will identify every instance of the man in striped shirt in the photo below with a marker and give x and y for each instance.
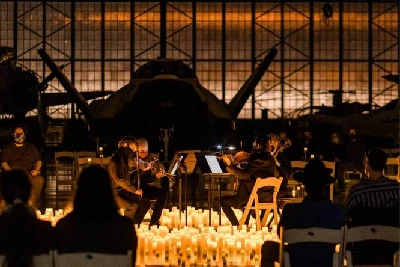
(377, 191)
(373, 201)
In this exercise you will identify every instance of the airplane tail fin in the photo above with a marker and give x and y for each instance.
(68, 86)
(241, 97)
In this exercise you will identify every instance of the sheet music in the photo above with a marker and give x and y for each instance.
(213, 164)
(176, 165)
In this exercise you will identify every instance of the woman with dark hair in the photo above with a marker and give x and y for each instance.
(22, 234)
(123, 172)
(94, 225)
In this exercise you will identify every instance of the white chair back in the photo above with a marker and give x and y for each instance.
(44, 260)
(313, 234)
(90, 259)
(371, 232)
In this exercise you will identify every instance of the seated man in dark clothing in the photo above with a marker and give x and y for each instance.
(259, 164)
(374, 200)
(22, 155)
(151, 172)
(316, 210)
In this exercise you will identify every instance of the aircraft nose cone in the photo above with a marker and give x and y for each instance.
(168, 102)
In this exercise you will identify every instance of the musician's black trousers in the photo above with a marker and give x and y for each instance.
(151, 193)
(229, 202)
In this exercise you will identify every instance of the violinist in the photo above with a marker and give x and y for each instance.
(123, 172)
(149, 175)
(276, 147)
(259, 164)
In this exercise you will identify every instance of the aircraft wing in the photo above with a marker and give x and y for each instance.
(55, 99)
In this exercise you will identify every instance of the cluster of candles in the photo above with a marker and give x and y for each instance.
(178, 243)
(53, 215)
(199, 243)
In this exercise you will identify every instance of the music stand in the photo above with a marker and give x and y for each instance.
(183, 164)
(212, 168)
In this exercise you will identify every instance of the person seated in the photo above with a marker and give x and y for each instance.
(151, 172)
(277, 148)
(373, 201)
(94, 225)
(316, 210)
(22, 155)
(122, 170)
(307, 148)
(22, 234)
(353, 157)
(258, 164)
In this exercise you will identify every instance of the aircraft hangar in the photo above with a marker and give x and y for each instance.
(224, 71)
(322, 46)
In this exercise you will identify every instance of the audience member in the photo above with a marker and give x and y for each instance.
(334, 151)
(353, 157)
(22, 155)
(374, 200)
(307, 147)
(94, 225)
(22, 234)
(316, 210)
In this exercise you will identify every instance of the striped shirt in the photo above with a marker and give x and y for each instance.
(382, 193)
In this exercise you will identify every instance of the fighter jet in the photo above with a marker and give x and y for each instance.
(379, 126)
(163, 93)
(21, 91)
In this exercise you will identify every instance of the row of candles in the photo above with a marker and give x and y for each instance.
(174, 243)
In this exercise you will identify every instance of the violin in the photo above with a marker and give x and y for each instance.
(240, 159)
(287, 143)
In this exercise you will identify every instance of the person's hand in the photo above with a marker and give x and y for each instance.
(34, 172)
(160, 174)
(227, 160)
(139, 192)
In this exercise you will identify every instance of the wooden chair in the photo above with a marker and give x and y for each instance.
(260, 183)
(371, 232)
(392, 170)
(44, 260)
(65, 162)
(91, 259)
(331, 166)
(296, 166)
(314, 235)
(84, 162)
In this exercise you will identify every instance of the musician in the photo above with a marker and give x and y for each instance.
(259, 164)
(123, 171)
(148, 175)
(276, 147)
